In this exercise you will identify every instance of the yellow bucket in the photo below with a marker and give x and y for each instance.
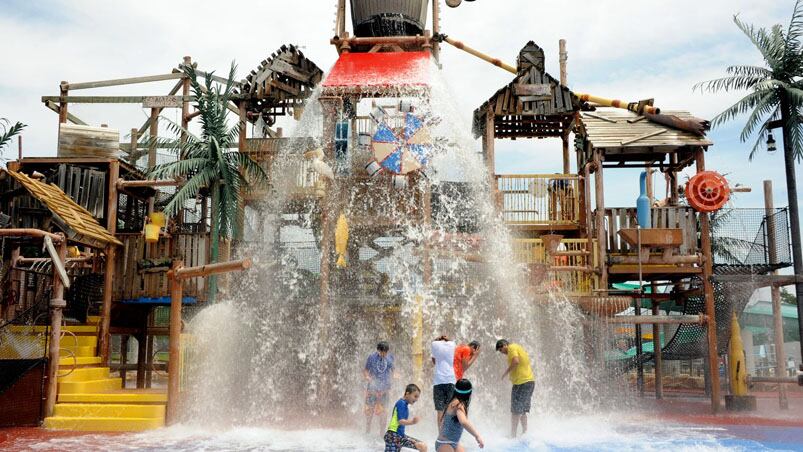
(152, 233)
(158, 218)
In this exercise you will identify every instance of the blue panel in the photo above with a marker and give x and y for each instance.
(421, 152)
(385, 134)
(412, 125)
(342, 130)
(393, 162)
(158, 300)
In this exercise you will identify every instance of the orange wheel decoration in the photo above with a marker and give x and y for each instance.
(707, 191)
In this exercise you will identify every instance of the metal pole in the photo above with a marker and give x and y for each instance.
(57, 304)
(777, 316)
(656, 346)
(639, 352)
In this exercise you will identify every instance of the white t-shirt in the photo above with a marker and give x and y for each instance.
(443, 352)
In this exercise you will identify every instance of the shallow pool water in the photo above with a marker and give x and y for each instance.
(568, 434)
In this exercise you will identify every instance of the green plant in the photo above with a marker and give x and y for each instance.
(775, 99)
(209, 162)
(8, 131)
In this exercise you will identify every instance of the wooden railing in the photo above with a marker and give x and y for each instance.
(132, 280)
(575, 263)
(684, 218)
(539, 199)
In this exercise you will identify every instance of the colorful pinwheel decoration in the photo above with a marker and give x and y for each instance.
(403, 150)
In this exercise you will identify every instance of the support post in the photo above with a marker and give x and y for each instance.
(108, 275)
(602, 241)
(656, 346)
(154, 132)
(175, 342)
(57, 304)
(777, 317)
(708, 290)
(340, 21)
(133, 152)
(142, 355)
(436, 29)
(567, 167)
(488, 150)
(563, 57)
(124, 357)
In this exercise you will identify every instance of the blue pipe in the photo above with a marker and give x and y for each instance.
(643, 208)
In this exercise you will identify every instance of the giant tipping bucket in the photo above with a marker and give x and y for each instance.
(373, 18)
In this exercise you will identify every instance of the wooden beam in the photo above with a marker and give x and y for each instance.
(775, 292)
(643, 137)
(657, 319)
(108, 99)
(708, 288)
(123, 81)
(174, 350)
(147, 183)
(216, 78)
(70, 117)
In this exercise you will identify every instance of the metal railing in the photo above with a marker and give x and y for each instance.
(572, 266)
(539, 199)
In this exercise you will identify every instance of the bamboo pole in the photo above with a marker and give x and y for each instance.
(632, 106)
(108, 274)
(708, 289)
(495, 61)
(212, 269)
(777, 316)
(57, 304)
(30, 232)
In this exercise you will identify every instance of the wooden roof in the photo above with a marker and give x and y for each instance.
(76, 222)
(616, 128)
(533, 105)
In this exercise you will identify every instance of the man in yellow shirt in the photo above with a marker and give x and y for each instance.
(521, 375)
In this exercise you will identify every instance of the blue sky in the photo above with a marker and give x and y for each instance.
(617, 48)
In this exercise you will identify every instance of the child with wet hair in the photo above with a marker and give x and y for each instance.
(396, 437)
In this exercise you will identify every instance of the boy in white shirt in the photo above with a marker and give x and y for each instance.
(444, 377)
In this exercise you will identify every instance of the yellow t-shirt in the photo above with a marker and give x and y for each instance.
(523, 372)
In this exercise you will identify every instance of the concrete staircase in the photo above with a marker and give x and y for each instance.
(89, 399)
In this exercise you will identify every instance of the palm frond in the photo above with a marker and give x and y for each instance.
(795, 30)
(190, 189)
(767, 105)
(730, 83)
(742, 106)
(770, 48)
(10, 132)
(749, 71)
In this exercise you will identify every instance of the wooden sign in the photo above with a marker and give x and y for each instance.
(533, 89)
(162, 102)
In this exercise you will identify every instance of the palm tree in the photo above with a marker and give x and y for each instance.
(775, 99)
(210, 162)
(7, 132)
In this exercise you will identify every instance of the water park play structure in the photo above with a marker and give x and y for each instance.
(380, 221)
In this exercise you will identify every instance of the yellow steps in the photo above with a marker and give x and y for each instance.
(127, 396)
(90, 386)
(38, 329)
(69, 340)
(108, 410)
(84, 374)
(102, 424)
(68, 361)
(89, 399)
